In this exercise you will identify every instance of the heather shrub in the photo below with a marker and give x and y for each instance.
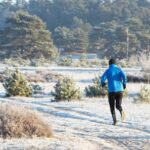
(15, 84)
(95, 90)
(144, 95)
(34, 77)
(65, 90)
(17, 122)
(42, 76)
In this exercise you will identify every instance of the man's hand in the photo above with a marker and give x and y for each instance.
(103, 84)
(124, 86)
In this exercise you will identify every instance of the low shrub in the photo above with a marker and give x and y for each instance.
(37, 89)
(122, 63)
(34, 77)
(39, 61)
(17, 122)
(82, 63)
(39, 76)
(95, 90)
(147, 77)
(83, 57)
(52, 77)
(65, 61)
(132, 62)
(105, 62)
(65, 90)
(138, 79)
(95, 62)
(144, 95)
(16, 62)
(23, 62)
(11, 62)
(15, 84)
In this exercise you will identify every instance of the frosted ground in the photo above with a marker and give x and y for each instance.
(84, 125)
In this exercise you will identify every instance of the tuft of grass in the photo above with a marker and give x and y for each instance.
(17, 122)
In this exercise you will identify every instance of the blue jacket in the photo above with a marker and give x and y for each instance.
(115, 77)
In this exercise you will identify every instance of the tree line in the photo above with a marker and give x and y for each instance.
(107, 27)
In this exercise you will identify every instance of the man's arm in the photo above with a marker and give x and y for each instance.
(124, 78)
(103, 78)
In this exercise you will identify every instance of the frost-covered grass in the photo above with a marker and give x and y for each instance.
(18, 122)
(84, 125)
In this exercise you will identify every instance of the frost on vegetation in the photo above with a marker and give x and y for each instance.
(65, 89)
(95, 90)
(17, 122)
(15, 84)
(144, 95)
(65, 61)
(37, 89)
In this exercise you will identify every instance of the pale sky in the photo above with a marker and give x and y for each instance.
(12, 0)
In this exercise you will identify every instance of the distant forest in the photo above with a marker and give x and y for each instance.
(105, 27)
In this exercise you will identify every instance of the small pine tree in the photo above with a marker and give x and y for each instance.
(96, 89)
(16, 85)
(65, 90)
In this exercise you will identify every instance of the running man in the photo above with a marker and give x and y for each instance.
(116, 84)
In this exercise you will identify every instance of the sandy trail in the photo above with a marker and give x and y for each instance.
(86, 126)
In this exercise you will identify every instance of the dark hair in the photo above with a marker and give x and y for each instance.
(112, 61)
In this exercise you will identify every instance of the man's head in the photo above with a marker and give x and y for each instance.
(112, 61)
